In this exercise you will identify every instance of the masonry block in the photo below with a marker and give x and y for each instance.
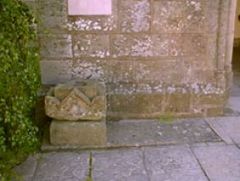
(104, 23)
(134, 15)
(91, 46)
(179, 16)
(132, 46)
(56, 46)
(54, 72)
(86, 134)
(90, 69)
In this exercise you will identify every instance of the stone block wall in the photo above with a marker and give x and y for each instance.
(237, 22)
(156, 56)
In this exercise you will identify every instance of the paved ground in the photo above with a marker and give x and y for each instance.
(211, 152)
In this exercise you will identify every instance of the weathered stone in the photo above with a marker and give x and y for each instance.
(62, 166)
(95, 23)
(167, 45)
(194, 44)
(161, 131)
(56, 46)
(179, 16)
(152, 99)
(76, 100)
(135, 105)
(159, 71)
(54, 8)
(91, 46)
(214, 111)
(134, 15)
(121, 71)
(86, 134)
(212, 10)
(212, 99)
(54, 72)
(53, 15)
(53, 25)
(133, 46)
(211, 54)
(220, 162)
(85, 69)
(173, 163)
(234, 103)
(92, 24)
(119, 165)
(177, 103)
(27, 169)
(227, 128)
(209, 102)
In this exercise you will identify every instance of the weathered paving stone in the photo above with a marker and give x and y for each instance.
(234, 103)
(220, 162)
(134, 15)
(150, 132)
(235, 90)
(62, 167)
(119, 165)
(228, 128)
(175, 163)
(27, 169)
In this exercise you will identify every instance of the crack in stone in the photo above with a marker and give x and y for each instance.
(90, 168)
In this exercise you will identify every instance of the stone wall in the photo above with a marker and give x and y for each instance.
(237, 22)
(156, 56)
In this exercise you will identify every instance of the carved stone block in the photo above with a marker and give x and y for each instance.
(76, 101)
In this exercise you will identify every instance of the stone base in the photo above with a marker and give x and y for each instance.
(157, 105)
(82, 133)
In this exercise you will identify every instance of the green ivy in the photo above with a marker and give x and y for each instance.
(19, 82)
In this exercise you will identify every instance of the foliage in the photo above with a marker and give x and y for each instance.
(19, 81)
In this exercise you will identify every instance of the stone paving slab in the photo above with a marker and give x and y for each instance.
(152, 132)
(220, 162)
(175, 163)
(228, 128)
(119, 165)
(27, 169)
(234, 103)
(65, 166)
(235, 89)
